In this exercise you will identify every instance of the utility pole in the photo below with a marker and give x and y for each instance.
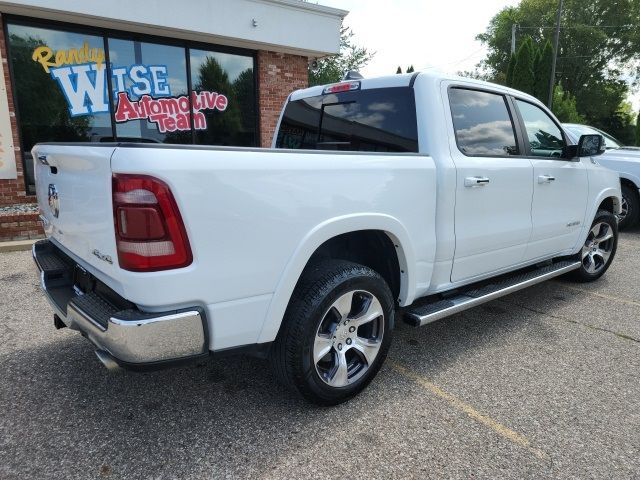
(556, 38)
(513, 38)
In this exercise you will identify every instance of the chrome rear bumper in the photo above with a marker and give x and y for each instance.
(121, 332)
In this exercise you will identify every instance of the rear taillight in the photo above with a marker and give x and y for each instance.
(150, 234)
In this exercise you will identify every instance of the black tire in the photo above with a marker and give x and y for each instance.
(292, 354)
(583, 274)
(630, 197)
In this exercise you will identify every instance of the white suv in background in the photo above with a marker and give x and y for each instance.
(624, 160)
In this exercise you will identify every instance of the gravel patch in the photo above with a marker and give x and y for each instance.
(19, 208)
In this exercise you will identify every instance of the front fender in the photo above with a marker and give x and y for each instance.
(602, 195)
(326, 231)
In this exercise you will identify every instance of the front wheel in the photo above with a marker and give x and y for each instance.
(599, 248)
(336, 332)
(630, 208)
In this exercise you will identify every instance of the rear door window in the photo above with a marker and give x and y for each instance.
(376, 120)
(482, 123)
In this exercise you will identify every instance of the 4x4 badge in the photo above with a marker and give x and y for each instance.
(54, 201)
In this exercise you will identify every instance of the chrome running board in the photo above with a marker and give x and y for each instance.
(420, 314)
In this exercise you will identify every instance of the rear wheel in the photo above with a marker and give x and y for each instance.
(336, 332)
(630, 207)
(599, 248)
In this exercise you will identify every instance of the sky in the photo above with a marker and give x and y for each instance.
(423, 33)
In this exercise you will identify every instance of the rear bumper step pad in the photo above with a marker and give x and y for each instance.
(121, 332)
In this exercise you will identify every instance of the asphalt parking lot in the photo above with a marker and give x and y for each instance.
(541, 384)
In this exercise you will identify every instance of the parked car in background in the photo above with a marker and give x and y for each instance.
(610, 141)
(623, 159)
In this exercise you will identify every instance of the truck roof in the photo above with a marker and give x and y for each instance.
(407, 79)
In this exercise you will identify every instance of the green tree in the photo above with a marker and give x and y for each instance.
(333, 68)
(564, 107)
(399, 71)
(222, 127)
(244, 92)
(622, 122)
(523, 78)
(44, 111)
(599, 43)
(411, 69)
(542, 73)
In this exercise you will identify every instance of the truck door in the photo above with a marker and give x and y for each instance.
(494, 189)
(560, 186)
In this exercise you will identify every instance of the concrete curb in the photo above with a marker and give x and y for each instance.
(16, 246)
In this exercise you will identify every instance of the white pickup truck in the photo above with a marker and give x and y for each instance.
(420, 195)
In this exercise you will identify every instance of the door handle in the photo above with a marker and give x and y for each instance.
(476, 181)
(546, 178)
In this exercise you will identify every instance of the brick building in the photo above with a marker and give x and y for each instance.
(210, 72)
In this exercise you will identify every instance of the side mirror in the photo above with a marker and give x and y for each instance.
(591, 145)
(588, 146)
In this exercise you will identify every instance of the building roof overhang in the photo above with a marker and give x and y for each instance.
(287, 26)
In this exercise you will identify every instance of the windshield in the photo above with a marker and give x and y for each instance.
(578, 130)
(609, 141)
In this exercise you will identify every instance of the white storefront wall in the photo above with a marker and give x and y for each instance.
(289, 26)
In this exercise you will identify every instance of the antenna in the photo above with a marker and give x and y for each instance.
(352, 75)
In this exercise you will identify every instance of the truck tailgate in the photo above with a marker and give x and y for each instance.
(73, 185)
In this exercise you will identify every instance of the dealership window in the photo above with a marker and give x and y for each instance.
(62, 78)
(44, 109)
(156, 73)
(232, 120)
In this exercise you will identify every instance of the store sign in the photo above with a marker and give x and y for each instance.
(82, 78)
(171, 113)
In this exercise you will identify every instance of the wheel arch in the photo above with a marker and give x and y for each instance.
(610, 199)
(331, 233)
(630, 180)
(634, 184)
(608, 204)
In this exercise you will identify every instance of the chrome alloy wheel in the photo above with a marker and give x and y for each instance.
(348, 338)
(597, 249)
(624, 209)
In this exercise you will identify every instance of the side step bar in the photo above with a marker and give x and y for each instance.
(423, 313)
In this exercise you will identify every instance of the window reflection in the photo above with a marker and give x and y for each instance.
(224, 102)
(482, 123)
(150, 92)
(545, 137)
(51, 106)
(382, 120)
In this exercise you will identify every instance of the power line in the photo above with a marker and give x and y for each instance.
(577, 26)
(456, 62)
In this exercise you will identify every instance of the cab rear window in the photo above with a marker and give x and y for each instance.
(376, 120)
